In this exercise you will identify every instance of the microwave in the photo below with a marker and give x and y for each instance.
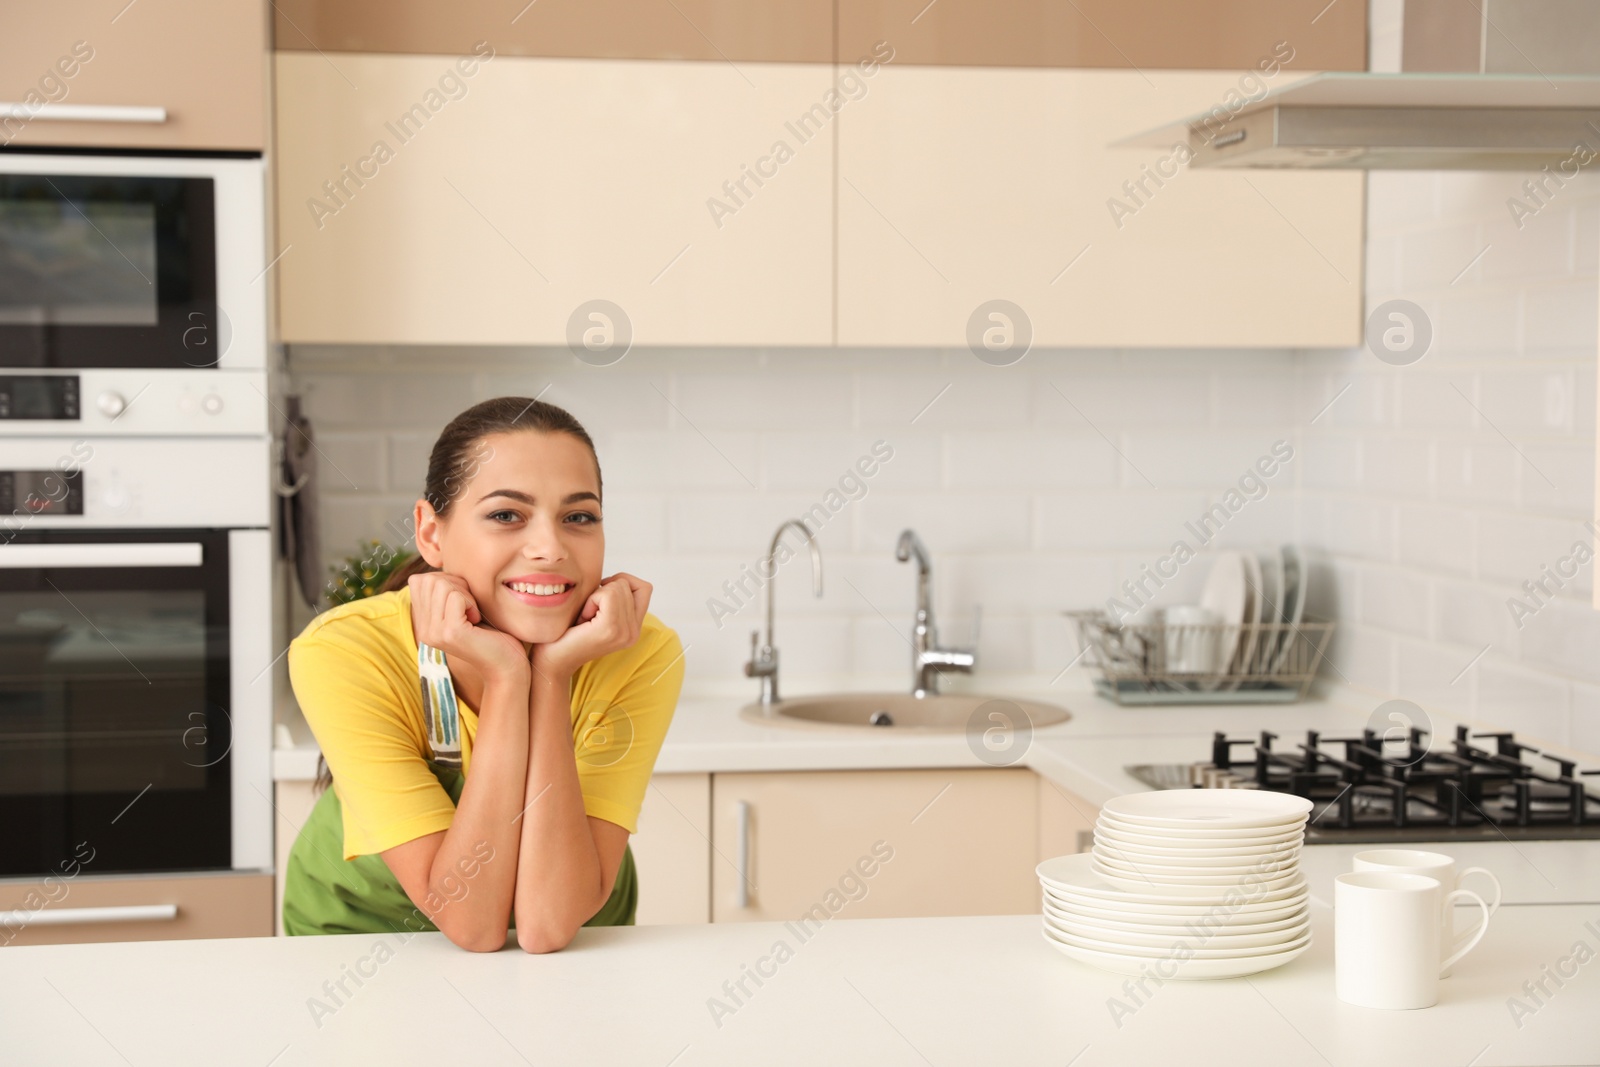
(132, 262)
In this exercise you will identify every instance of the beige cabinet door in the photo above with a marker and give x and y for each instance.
(672, 850)
(433, 205)
(959, 186)
(874, 844)
(204, 63)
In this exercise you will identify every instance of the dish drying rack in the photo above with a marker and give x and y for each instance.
(1139, 663)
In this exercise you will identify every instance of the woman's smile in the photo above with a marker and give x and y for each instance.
(541, 590)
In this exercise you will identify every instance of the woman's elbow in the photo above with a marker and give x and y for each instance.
(485, 940)
(540, 939)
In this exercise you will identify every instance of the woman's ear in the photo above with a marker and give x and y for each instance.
(429, 527)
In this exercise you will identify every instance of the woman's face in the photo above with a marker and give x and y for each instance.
(526, 515)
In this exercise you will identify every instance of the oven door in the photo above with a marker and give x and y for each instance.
(108, 270)
(114, 682)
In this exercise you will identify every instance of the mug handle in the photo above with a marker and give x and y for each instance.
(1477, 933)
(1494, 905)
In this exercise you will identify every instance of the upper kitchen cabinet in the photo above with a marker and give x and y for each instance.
(160, 74)
(493, 199)
(958, 186)
(733, 31)
(1125, 34)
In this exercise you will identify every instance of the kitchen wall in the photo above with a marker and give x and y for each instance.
(1439, 488)
(1036, 487)
(1426, 494)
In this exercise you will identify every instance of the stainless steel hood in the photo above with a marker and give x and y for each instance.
(1486, 85)
(1400, 122)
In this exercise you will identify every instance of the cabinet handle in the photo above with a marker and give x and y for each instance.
(84, 112)
(744, 853)
(78, 916)
(103, 554)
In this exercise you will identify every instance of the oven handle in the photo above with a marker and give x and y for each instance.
(76, 916)
(83, 112)
(110, 554)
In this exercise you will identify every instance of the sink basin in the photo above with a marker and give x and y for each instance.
(946, 713)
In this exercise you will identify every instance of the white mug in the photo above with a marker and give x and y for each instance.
(1193, 644)
(1386, 938)
(1431, 865)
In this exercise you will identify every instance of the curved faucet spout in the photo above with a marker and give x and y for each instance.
(763, 662)
(816, 564)
(928, 659)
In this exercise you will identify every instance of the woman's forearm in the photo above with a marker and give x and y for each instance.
(559, 879)
(476, 908)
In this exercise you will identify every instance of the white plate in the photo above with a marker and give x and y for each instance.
(1175, 970)
(1246, 859)
(1218, 941)
(1270, 564)
(1210, 809)
(1223, 856)
(1171, 885)
(1250, 635)
(1193, 843)
(1293, 917)
(1241, 912)
(1227, 593)
(1294, 602)
(1267, 867)
(1166, 952)
(1073, 876)
(1200, 836)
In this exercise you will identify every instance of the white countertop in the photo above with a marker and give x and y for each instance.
(914, 991)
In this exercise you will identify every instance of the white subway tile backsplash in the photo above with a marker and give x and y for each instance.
(1114, 520)
(981, 460)
(1530, 702)
(1394, 598)
(815, 460)
(1560, 317)
(946, 522)
(1439, 537)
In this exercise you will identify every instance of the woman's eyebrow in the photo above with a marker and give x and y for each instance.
(524, 498)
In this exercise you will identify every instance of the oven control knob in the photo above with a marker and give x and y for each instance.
(212, 403)
(111, 404)
(187, 403)
(114, 497)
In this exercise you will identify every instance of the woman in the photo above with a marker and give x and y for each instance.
(491, 719)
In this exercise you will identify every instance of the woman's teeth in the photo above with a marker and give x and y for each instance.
(538, 589)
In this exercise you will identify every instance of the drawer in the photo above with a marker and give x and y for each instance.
(61, 910)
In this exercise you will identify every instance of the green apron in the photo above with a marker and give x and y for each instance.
(326, 894)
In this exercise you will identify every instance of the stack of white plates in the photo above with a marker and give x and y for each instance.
(1186, 883)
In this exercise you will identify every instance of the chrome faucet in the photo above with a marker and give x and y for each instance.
(928, 660)
(763, 662)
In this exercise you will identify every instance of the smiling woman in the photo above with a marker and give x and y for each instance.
(499, 698)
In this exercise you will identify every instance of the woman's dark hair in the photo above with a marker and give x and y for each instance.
(454, 461)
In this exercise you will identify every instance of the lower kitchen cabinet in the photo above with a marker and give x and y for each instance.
(672, 850)
(936, 842)
(292, 803)
(170, 907)
(876, 844)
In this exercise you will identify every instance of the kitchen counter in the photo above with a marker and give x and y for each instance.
(943, 991)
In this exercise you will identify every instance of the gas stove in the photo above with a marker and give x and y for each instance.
(1377, 788)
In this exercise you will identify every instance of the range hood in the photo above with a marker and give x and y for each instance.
(1486, 85)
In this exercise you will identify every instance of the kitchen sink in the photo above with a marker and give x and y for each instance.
(943, 713)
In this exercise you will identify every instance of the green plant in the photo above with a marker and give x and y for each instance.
(363, 574)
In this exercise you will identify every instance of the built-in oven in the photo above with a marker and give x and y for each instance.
(135, 648)
(118, 261)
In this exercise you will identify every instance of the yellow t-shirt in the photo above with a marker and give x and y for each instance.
(354, 671)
